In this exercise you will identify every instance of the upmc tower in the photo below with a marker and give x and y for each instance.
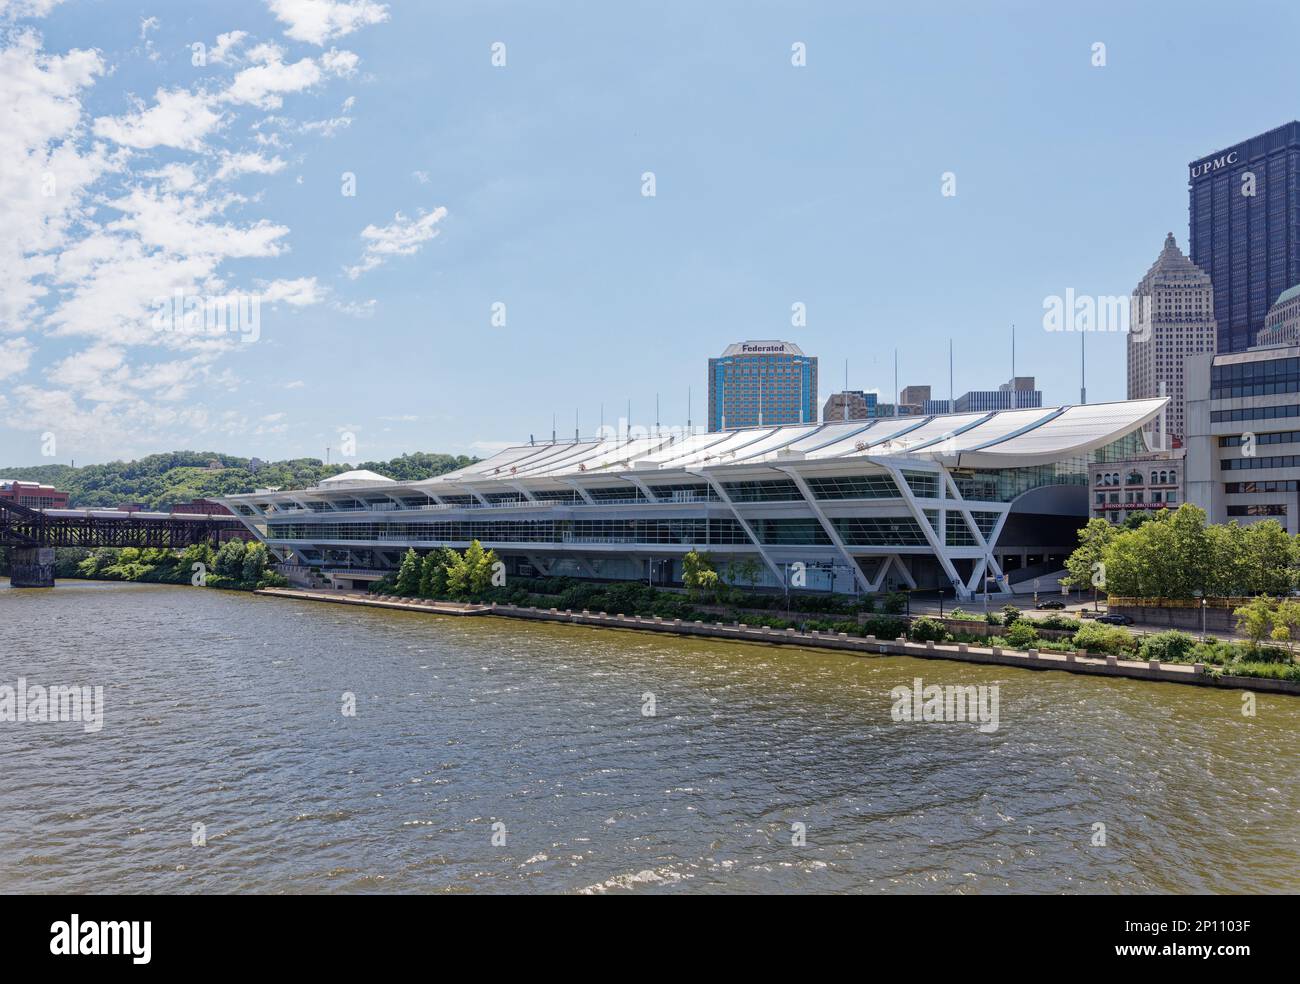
(1245, 229)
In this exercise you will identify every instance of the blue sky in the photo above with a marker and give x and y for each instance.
(521, 185)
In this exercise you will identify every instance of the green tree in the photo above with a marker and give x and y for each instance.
(1087, 557)
(254, 565)
(1286, 623)
(458, 577)
(1266, 562)
(229, 561)
(408, 575)
(698, 575)
(751, 570)
(428, 569)
(477, 563)
(1255, 620)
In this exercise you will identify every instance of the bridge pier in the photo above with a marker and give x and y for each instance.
(31, 567)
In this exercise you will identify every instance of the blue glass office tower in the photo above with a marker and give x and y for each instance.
(762, 383)
(1249, 244)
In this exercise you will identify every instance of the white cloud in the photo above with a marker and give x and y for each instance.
(298, 293)
(340, 63)
(318, 21)
(46, 175)
(224, 49)
(249, 162)
(176, 176)
(14, 9)
(357, 309)
(262, 85)
(100, 226)
(403, 237)
(179, 118)
(15, 357)
(294, 384)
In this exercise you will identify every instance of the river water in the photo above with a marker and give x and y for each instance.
(487, 755)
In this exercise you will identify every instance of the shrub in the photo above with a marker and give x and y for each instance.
(962, 616)
(883, 627)
(1168, 647)
(1104, 639)
(1010, 615)
(1270, 671)
(1022, 635)
(1064, 622)
(894, 604)
(1214, 652)
(928, 630)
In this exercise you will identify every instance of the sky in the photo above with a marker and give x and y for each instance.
(435, 218)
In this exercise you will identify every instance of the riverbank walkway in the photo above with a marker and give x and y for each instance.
(1069, 662)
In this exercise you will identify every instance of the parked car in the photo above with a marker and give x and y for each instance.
(1113, 618)
(1051, 604)
(1088, 613)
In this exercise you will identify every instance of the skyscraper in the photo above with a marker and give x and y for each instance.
(1172, 318)
(1244, 211)
(762, 383)
(1016, 394)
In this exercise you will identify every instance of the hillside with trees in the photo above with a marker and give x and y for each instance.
(159, 480)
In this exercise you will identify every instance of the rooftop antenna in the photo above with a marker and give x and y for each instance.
(1083, 370)
(552, 428)
(575, 425)
(895, 382)
(656, 415)
(629, 418)
(688, 409)
(952, 396)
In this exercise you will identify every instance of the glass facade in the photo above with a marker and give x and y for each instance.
(777, 490)
(882, 531)
(667, 531)
(1255, 413)
(1249, 244)
(853, 487)
(762, 383)
(1262, 377)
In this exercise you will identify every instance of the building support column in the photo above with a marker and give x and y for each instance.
(31, 567)
(828, 526)
(744, 524)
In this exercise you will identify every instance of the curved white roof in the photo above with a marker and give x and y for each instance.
(359, 476)
(996, 439)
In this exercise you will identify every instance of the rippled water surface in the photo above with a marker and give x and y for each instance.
(225, 709)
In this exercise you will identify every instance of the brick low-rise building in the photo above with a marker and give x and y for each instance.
(34, 495)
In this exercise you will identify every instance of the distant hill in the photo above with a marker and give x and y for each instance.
(161, 479)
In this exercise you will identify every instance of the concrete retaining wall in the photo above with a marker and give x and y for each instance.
(1080, 662)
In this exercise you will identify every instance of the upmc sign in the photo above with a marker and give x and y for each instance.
(1212, 164)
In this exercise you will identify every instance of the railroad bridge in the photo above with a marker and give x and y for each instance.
(32, 534)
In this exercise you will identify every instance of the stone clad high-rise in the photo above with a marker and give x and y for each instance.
(1172, 318)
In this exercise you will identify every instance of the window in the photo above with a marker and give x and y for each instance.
(854, 487)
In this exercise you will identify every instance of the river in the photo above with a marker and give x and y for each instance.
(487, 755)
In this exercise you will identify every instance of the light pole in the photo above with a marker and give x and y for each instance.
(1204, 605)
